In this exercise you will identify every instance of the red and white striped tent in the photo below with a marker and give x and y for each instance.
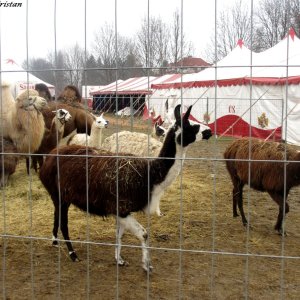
(130, 91)
(135, 85)
(244, 94)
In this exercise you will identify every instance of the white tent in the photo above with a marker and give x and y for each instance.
(244, 94)
(19, 78)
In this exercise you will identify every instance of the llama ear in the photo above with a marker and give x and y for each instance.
(94, 117)
(177, 113)
(187, 114)
(102, 115)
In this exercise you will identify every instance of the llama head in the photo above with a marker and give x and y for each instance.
(100, 122)
(159, 130)
(30, 100)
(70, 94)
(43, 91)
(186, 132)
(62, 115)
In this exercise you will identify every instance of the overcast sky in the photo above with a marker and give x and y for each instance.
(65, 22)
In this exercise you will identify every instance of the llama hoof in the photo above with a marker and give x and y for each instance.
(122, 262)
(147, 267)
(159, 213)
(282, 232)
(246, 226)
(73, 256)
(55, 243)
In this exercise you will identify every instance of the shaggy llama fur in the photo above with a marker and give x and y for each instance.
(23, 123)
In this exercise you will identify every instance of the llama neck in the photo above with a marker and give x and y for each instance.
(95, 137)
(57, 127)
(164, 170)
(166, 166)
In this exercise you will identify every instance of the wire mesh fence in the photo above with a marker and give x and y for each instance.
(101, 206)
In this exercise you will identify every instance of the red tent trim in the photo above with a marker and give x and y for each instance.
(229, 82)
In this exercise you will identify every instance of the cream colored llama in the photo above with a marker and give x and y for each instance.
(7, 104)
(21, 120)
(95, 138)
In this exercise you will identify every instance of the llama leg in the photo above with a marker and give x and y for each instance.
(140, 232)
(40, 161)
(158, 212)
(121, 228)
(65, 231)
(34, 163)
(235, 196)
(27, 165)
(55, 227)
(238, 201)
(278, 198)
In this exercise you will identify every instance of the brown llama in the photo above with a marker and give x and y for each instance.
(43, 91)
(9, 160)
(266, 174)
(70, 94)
(81, 121)
(137, 179)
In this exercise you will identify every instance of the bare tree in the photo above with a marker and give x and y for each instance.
(274, 19)
(295, 9)
(112, 51)
(152, 44)
(56, 59)
(232, 24)
(74, 58)
(41, 68)
(179, 46)
(104, 49)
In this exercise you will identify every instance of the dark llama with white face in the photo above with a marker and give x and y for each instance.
(136, 177)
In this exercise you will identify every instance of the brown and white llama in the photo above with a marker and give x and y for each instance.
(124, 189)
(51, 137)
(81, 121)
(268, 167)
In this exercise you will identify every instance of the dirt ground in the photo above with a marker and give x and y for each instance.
(198, 250)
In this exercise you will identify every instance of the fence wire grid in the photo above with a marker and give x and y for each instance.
(198, 250)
